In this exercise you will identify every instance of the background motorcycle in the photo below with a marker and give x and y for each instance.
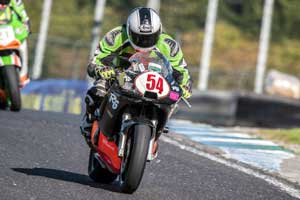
(130, 120)
(12, 33)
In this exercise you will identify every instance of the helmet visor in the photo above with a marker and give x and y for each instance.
(144, 40)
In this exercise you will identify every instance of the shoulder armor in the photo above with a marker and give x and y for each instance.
(174, 46)
(18, 2)
(110, 37)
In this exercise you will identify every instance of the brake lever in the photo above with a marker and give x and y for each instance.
(186, 102)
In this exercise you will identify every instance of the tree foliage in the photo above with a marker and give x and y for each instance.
(248, 16)
(236, 35)
(177, 15)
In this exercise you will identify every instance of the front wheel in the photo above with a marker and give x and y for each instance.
(135, 159)
(12, 89)
(96, 172)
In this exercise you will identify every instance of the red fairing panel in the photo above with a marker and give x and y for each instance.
(108, 151)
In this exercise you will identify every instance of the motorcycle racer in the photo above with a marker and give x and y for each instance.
(18, 8)
(141, 33)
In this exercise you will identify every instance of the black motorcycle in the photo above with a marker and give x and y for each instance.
(130, 120)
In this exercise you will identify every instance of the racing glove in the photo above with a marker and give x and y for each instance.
(186, 92)
(105, 72)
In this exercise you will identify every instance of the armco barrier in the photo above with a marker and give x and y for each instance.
(55, 95)
(245, 109)
(217, 108)
(267, 111)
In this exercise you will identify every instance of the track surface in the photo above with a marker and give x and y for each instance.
(43, 156)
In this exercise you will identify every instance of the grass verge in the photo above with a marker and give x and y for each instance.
(289, 138)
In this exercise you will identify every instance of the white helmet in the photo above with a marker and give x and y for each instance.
(143, 28)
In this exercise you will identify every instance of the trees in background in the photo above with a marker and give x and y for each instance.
(177, 15)
(247, 16)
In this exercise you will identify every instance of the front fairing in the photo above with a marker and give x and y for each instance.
(148, 68)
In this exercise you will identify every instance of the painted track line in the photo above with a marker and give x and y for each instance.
(200, 132)
(291, 190)
(236, 144)
(230, 140)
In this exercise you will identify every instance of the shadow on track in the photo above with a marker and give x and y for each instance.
(67, 176)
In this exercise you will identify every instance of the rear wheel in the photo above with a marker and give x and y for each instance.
(12, 89)
(135, 158)
(97, 173)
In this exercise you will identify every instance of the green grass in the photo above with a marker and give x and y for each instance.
(287, 138)
(290, 136)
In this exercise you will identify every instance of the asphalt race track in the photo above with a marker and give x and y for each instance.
(43, 156)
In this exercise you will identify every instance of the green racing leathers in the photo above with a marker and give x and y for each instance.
(115, 49)
(19, 8)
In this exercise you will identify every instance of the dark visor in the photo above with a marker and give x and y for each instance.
(144, 40)
(4, 2)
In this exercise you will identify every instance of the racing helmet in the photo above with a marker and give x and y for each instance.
(143, 28)
(5, 2)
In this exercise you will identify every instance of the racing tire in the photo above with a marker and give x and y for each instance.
(136, 158)
(97, 173)
(12, 87)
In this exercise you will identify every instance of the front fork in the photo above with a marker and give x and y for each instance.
(152, 153)
(123, 135)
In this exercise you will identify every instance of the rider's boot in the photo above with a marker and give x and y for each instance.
(88, 119)
(93, 100)
(86, 127)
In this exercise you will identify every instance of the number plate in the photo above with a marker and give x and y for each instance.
(7, 35)
(152, 82)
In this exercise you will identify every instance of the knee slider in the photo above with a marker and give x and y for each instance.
(89, 100)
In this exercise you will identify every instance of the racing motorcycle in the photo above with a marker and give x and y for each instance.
(132, 116)
(12, 33)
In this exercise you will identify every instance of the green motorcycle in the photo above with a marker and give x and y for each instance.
(12, 33)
